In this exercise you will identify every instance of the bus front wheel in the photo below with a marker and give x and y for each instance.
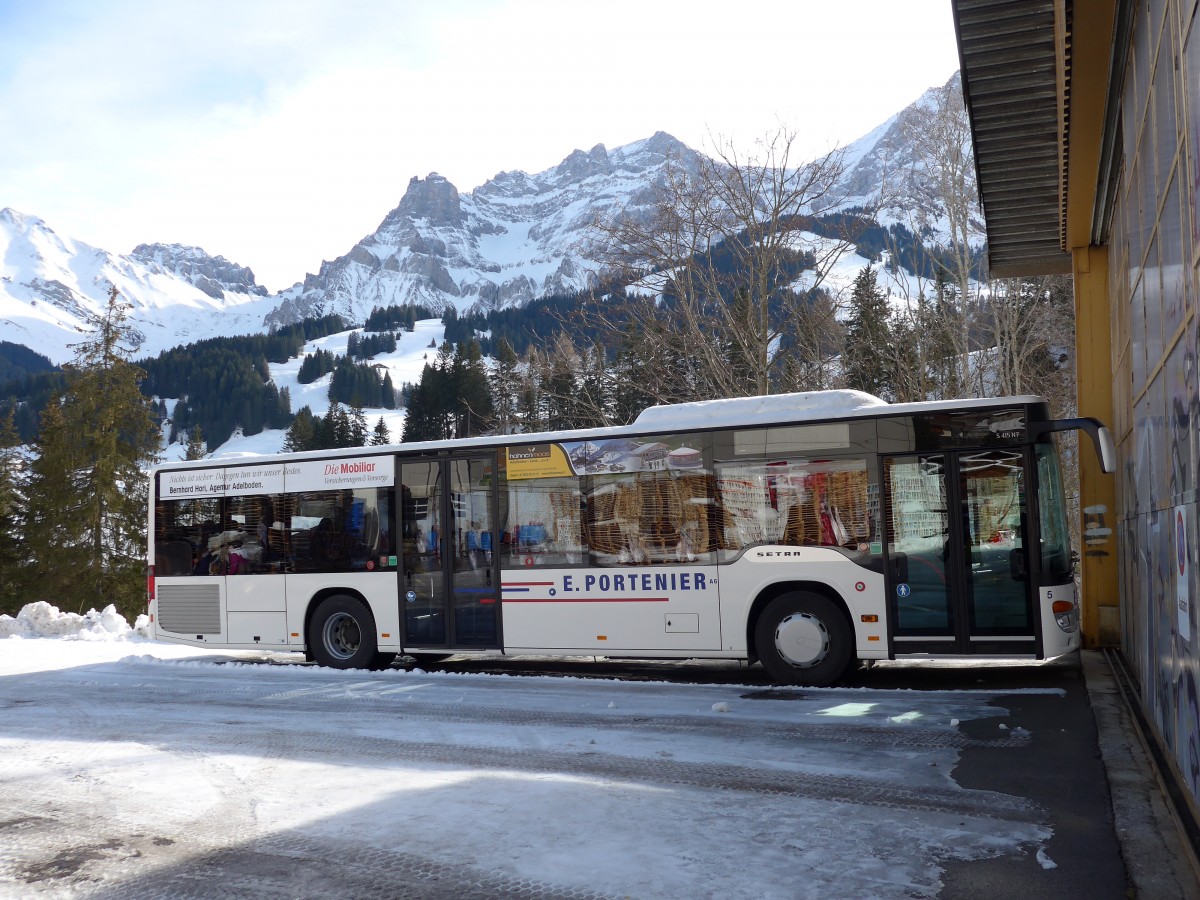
(341, 635)
(804, 638)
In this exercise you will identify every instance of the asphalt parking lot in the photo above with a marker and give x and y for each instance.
(1114, 835)
(147, 770)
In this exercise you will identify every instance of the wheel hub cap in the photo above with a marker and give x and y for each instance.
(342, 636)
(802, 640)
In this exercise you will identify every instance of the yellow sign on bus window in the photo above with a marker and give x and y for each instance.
(538, 461)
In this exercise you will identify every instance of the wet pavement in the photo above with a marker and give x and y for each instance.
(244, 776)
(1114, 835)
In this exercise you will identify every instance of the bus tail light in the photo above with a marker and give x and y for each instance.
(150, 582)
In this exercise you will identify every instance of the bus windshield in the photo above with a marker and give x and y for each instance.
(1052, 517)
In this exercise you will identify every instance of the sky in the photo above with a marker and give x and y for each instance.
(278, 134)
(171, 769)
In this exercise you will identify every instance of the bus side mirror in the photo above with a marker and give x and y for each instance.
(1102, 439)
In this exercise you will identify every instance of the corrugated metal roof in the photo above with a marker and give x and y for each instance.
(1010, 84)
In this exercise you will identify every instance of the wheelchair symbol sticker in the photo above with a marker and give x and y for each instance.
(903, 590)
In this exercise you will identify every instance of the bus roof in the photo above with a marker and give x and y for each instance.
(761, 411)
(770, 407)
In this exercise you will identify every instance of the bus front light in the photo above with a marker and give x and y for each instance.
(1065, 615)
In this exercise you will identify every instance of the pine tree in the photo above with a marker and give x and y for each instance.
(336, 430)
(53, 510)
(944, 322)
(423, 418)
(101, 445)
(284, 413)
(389, 391)
(358, 426)
(301, 433)
(505, 385)
(380, 434)
(12, 534)
(868, 338)
(595, 388)
(642, 371)
(531, 414)
(196, 446)
(473, 400)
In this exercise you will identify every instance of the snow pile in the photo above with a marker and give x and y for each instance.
(43, 620)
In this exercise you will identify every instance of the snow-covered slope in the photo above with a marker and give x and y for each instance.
(886, 172)
(404, 365)
(515, 238)
(521, 236)
(50, 284)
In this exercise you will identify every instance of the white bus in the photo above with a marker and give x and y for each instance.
(803, 531)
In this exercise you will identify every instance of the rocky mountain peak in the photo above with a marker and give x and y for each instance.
(659, 145)
(580, 165)
(212, 274)
(20, 223)
(432, 198)
(10, 216)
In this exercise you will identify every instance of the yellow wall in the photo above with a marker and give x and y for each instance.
(1091, 41)
(1097, 491)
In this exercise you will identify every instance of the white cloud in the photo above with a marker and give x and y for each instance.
(277, 134)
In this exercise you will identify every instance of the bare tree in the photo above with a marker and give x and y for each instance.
(938, 196)
(731, 257)
(1032, 328)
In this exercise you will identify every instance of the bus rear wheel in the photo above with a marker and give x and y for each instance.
(341, 634)
(804, 638)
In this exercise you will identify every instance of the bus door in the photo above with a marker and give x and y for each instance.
(958, 576)
(448, 587)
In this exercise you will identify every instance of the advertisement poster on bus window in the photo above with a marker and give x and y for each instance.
(597, 457)
(243, 480)
(187, 485)
(340, 473)
(233, 481)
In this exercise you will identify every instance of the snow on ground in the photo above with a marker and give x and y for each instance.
(412, 352)
(140, 769)
(901, 287)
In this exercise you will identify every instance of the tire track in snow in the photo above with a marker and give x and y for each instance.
(375, 701)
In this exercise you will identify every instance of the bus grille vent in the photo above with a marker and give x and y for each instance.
(189, 609)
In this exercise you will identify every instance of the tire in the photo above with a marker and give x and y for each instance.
(341, 634)
(804, 638)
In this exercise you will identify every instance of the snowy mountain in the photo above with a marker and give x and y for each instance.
(884, 166)
(212, 274)
(515, 238)
(50, 285)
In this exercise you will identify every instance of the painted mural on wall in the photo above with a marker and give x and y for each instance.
(1154, 271)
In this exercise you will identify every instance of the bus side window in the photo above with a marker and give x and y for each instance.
(182, 531)
(797, 502)
(659, 517)
(544, 523)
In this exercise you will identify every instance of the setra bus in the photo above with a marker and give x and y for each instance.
(803, 531)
